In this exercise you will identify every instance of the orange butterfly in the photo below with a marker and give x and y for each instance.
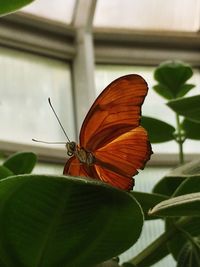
(113, 145)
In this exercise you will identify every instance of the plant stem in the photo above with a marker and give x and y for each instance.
(158, 247)
(180, 140)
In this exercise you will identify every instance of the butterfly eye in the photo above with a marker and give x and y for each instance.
(71, 148)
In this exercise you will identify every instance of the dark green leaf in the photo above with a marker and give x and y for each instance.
(191, 129)
(185, 205)
(159, 131)
(51, 221)
(172, 76)
(168, 184)
(188, 107)
(187, 232)
(185, 88)
(190, 185)
(5, 172)
(163, 91)
(12, 5)
(171, 182)
(189, 255)
(20, 163)
(148, 201)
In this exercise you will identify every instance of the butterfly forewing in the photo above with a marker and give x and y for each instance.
(116, 111)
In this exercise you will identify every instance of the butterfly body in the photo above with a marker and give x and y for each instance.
(112, 145)
(81, 154)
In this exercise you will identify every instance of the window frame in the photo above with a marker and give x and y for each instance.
(106, 46)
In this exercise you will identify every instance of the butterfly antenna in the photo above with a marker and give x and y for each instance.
(58, 119)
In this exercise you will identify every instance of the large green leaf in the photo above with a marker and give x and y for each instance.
(148, 201)
(12, 5)
(21, 162)
(188, 107)
(159, 131)
(185, 205)
(172, 76)
(51, 221)
(191, 129)
(5, 172)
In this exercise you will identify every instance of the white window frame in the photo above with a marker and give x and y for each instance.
(82, 46)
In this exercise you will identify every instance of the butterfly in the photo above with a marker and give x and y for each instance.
(113, 145)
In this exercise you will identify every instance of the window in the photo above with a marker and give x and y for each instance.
(171, 15)
(26, 83)
(59, 10)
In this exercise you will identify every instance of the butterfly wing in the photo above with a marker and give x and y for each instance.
(75, 168)
(123, 157)
(112, 133)
(116, 111)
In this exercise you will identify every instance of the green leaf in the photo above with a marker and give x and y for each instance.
(163, 91)
(185, 205)
(159, 131)
(185, 88)
(172, 76)
(20, 163)
(191, 129)
(147, 201)
(167, 185)
(12, 5)
(190, 185)
(51, 221)
(188, 107)
(189, 255)
(189, 231)
(5, 172)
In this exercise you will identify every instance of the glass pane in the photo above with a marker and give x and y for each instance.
(154, 105)
(59, 10)
(26, 83)
(172, 15)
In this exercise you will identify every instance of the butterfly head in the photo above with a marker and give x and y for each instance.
(71, 148)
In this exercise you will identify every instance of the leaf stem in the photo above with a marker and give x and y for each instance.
(180, 139)
(150, 254)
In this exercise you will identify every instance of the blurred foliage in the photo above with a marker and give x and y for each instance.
(12, 5)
